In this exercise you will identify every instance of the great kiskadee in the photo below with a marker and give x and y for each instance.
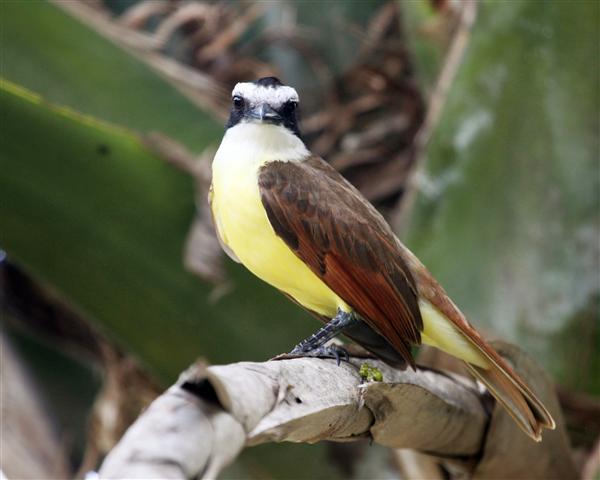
(297, 224)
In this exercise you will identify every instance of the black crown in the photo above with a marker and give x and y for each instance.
(268, 82)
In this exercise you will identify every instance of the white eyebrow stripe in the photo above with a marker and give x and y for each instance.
(256, 94)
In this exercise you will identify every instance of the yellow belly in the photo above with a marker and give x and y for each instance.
(244, 227)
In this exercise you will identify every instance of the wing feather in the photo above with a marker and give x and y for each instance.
(346, 242)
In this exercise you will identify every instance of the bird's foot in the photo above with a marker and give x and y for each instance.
(314, 346)
(322, 351)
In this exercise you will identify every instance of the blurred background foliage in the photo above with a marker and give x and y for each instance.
(111, 280)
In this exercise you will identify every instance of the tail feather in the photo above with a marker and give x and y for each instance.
(519, 401)
(461, 340)
(511, 391)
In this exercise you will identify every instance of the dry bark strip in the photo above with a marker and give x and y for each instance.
(203, 422)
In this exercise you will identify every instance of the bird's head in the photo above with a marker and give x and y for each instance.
(265, 101)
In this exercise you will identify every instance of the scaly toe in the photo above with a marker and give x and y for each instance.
(324, 351)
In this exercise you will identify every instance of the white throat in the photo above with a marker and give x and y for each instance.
(259, 143)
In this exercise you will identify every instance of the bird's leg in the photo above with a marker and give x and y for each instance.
(314, 346)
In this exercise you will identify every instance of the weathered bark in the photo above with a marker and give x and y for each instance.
(200, 424)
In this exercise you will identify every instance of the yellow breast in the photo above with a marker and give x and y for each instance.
(244, 227)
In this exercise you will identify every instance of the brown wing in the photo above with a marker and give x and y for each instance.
(346, 242)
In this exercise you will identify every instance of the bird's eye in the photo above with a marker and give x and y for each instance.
(290, 106)
(238, 102)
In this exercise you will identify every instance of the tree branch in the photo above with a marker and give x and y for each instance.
(200, 424)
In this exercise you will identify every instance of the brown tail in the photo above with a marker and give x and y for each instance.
(515, 396)
(503, 383)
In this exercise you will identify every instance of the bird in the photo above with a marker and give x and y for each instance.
(296, 223)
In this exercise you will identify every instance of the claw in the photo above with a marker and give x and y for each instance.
(296, 350)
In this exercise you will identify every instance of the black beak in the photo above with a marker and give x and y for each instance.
(265, 113)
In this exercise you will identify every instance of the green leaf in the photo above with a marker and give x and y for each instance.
(47, 51)
(507, 215)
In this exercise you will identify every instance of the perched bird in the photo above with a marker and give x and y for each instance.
(297, 224)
